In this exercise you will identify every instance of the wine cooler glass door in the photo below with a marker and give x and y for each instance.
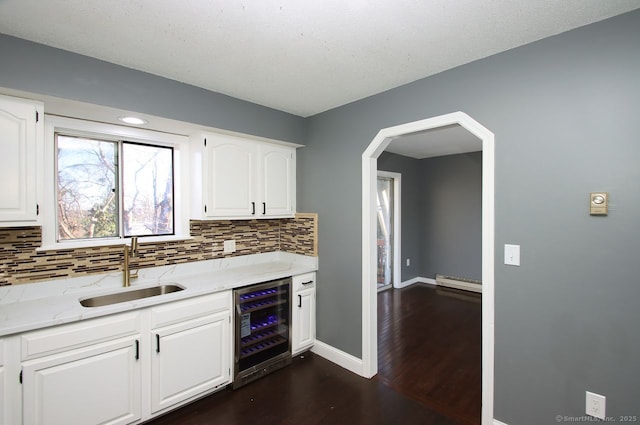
(263, 315)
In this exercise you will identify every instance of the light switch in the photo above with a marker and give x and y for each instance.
(598, 203)
(229, 246)
(512, 255)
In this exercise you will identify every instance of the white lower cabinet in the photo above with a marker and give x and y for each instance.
(120, 369)
(190, 358)
(99, 384)
(3, 391)
(303, 312)
(82, 373)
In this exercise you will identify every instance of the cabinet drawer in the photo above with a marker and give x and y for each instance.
(179, 311)
(304, 281)
(87, 332)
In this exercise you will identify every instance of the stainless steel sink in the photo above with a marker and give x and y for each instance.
(120, 297)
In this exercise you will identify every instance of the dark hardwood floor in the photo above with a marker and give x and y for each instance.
(418, 382)
(429, 348)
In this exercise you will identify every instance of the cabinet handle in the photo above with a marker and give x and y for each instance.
(307, 283)
(137, 350)
(264, 208)
(157, 343)
(299, 301)
(253, 208)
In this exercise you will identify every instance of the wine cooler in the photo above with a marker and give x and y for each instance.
(262, 329)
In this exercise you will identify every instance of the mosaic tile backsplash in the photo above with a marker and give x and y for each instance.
(20, 263)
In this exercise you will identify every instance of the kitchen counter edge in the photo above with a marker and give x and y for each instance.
(34, 306)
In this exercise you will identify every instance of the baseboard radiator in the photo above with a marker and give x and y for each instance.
(459, 283)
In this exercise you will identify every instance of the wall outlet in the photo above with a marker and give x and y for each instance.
(229, 246)
(596, 405)
(408, 262)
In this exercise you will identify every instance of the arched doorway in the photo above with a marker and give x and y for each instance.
(369, 255)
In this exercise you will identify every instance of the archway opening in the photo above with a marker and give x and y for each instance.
(369, 254)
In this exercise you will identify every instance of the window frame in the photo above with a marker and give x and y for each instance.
(90, 129)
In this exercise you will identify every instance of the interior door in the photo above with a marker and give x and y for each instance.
(385, 233)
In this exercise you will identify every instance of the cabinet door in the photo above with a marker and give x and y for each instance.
(99, 384)
(3, 406)
(304, 320)
(18, 132)
(190, 358)
(277, 182)
(230, 178)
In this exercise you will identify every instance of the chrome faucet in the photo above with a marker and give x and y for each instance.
(127, 275)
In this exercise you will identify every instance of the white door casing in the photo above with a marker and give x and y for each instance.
(369, 291)
(397, 223)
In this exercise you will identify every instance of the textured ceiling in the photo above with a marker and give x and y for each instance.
(304, 56)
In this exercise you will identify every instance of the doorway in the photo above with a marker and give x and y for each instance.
(388, 234)
(369, 254)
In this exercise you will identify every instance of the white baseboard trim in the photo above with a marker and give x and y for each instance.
(497, 422)
(339, 357)
(415, 280)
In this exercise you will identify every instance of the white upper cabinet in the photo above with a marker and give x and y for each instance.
(231, 174)
(21, 135)
(244, 179)
(277, 180)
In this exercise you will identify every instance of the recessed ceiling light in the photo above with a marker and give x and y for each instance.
(132, 120)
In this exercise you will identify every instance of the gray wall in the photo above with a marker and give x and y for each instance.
(564, 111)
(441, 214)
(40, 69)
(411, 214)
(451, 204)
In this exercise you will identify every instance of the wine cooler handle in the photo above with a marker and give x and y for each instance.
(299, 301)
(157, 343)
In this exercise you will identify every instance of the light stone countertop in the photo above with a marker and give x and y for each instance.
(32, 306)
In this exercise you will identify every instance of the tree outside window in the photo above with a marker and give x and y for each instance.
(109, 189)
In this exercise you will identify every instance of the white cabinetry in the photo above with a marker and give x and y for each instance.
(303, 312)
(3, 391)
(243, 179)
(230, 165)
(191, 349)
(120, 369)
(10, 391)
(85, 373)
(21, 124)
(277, 180)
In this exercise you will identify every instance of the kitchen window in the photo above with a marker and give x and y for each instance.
(108, 182)
(108, 189)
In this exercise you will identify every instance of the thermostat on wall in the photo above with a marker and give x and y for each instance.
(598, 203)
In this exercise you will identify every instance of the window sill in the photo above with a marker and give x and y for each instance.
(110, 242)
